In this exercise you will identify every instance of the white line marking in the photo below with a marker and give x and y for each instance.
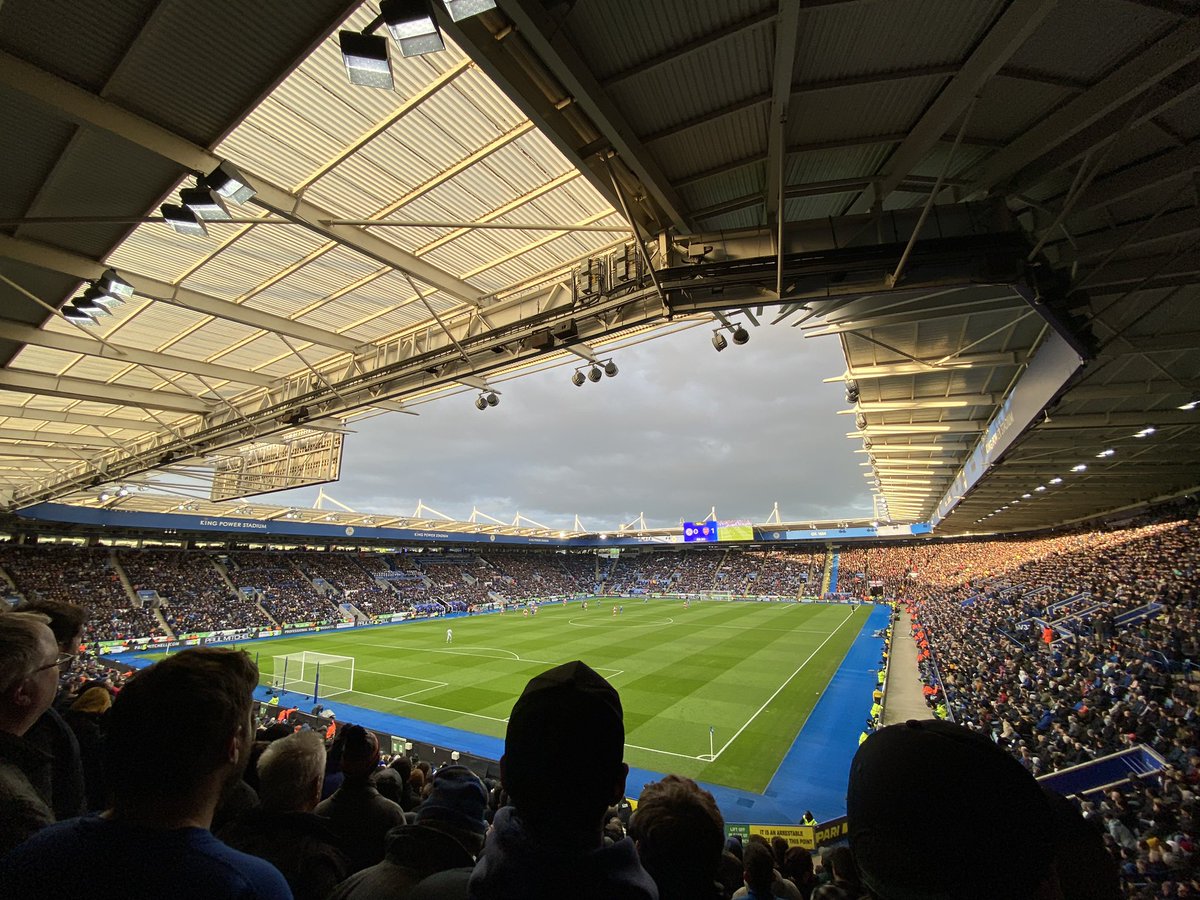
(782, 686)
(664, 752)
(434, 687)
(513, 656)
(581, 624)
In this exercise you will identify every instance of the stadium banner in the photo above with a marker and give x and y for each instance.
(807, 837)
(867, 531)
(1051, 367)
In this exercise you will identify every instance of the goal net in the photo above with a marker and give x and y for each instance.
(310, 673)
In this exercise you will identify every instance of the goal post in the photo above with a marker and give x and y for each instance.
(309, 672)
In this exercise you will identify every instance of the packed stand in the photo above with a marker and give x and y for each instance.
(284, 592)
(85, 576)
(352, 583)
(195, 596)
(1056, 697)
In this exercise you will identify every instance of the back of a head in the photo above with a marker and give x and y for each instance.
(759, 864)
(840, 861)
(172, 722)
(993, 822)
(680, 836)
(456, 805)
(360, 751)
(66, 620)
(564, 749)
(20, 647)
(290, 772)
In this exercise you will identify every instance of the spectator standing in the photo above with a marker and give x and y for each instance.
(283, 830)
(29, 669)
(166, 778)
(356, 811)
(563, 767)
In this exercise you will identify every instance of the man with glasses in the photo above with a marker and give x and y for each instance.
(29, 667)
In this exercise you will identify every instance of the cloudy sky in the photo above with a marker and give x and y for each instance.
(679, 430)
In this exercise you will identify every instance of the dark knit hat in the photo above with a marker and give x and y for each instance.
(567, 719)
(360, 750)
(457, 801)
(935, 784)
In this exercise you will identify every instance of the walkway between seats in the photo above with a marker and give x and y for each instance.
(904, 699)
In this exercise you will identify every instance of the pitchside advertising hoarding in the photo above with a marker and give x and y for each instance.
(809, 837)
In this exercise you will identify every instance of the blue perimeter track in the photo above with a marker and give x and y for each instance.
(812, 775)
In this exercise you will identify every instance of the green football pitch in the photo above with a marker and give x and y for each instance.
(751, 672)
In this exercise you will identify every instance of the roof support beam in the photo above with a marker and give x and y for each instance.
(1143, 176)
(786, 28)
(75, 104)
(47, 257)
(923, 367)
(36, 414)
(1019, 20)
(954, 401)
(1184, 223)
(69, 343)
(556, 52)
(33, 451)
(99, 392)
(59, 438)
(1177, 49)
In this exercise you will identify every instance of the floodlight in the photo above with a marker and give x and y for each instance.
(740, 335)
(93, 294)
(122, 491)
(183, 220)
(1190, 405)
(1056, 480)
(78, 316)
(578, 378)
(492, 399)
(366, 59)
(464, 9)
(860, 421)
(205, 203)
(114, 285)
(718, 341)
(594, 374)
(1103, 453)
(90, 307)
(229, 183)
(610, 368)
(481, 402)
(412, 26)
(1079, 468)
(105, 496)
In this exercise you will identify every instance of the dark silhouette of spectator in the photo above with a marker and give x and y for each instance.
(166, 779)
(448, 834)
(29, 669)
(50, 732)
(844, 883)
(85, 718)
(995, 826)
(357, 814)
(780, 886)
(563, 766)
(393, 782)
(283, 830)
(758, 863)
(680, 835)
(798, 869)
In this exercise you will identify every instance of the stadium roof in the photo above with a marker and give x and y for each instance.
(1076, 122)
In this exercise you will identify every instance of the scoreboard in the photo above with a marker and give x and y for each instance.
(711, 532)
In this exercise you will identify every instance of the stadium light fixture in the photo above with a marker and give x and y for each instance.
(1191, 404)
(464, 9)
(610, 369)
(105, 496)
(594, 374)
(1056, 480)
(718, 340)
(78, 316)
(1026, 496)
(492, 399)
(229, 183)
(578, 378)
(1105, 453)
(1146, 432)
(1079, 468)
(90, 307)
(365, 57)
(113, 285)
(412, 26)
(1039, 488)
(183, 220)
(205, 203)
(740, 335)
(481, 402)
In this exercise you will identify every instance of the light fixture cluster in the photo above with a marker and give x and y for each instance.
(206, 202)
(484, 400)
(595, 373)
(738, 334)
(108, 494)
(98, 299)
(414, 29)
(1075, 469)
